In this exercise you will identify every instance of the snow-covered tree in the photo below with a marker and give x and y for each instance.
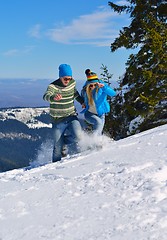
(144, 83)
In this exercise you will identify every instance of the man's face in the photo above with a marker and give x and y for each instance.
(65, 80)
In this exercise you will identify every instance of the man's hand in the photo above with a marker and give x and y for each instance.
(57, 97)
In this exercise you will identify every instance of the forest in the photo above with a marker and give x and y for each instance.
(141, 102)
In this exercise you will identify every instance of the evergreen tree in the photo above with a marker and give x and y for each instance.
(109, 121)
(144, 82)
(106, 76)
(114, 119)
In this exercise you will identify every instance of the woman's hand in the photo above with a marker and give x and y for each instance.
(100, 85)
(83, 105)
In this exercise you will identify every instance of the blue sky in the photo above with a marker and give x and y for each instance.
(38, 35)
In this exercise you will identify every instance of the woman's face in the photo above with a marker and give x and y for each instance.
(92, 86)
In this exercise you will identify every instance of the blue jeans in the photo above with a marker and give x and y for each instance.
(67, 131)
(96, 121)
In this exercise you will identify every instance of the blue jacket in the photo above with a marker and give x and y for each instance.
(100, 99)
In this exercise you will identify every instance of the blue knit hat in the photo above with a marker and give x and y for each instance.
(65, 70)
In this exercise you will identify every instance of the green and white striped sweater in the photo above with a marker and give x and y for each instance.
(65, 106)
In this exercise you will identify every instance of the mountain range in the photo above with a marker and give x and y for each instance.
(22, 131)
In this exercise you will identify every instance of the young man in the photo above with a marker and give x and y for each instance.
(66, 126)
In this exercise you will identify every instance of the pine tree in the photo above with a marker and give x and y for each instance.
(114, 119)
(106, 76)
(144, 82)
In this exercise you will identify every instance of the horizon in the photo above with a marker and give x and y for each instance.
(28, 92)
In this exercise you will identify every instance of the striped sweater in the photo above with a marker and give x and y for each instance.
(65, 106)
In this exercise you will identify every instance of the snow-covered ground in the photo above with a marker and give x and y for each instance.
(117, 193)
(25, 115)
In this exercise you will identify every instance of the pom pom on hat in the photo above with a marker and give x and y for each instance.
(65, 70)
(91, 75)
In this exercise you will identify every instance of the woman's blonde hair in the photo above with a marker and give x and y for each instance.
(89, 94)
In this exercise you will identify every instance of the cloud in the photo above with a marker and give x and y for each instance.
(35, 31)
(27, 49)
(18, 52)
(95, 29)
(11, 52)
(123, 2)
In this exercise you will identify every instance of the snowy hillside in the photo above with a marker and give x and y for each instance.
(28, 116)
(22, 130)
(117, 193)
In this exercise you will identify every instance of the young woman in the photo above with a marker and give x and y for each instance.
(95, 92)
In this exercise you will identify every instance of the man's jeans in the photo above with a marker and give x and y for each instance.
(96, 122)
(67, 131)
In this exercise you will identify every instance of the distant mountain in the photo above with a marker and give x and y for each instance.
(22, 131)
(23, 92)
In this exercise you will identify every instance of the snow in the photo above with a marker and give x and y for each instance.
(116, 193)
(26, 115)
(135, 123)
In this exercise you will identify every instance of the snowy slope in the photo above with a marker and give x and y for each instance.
(117, 193)
(22, 130)
(27, 116)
